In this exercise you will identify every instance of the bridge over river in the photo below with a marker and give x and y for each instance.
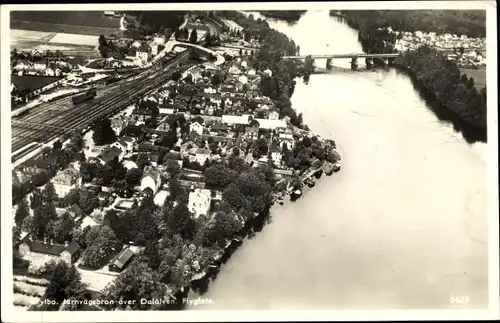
(369, 58)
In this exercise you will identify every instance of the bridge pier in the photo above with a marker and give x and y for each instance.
(354, 63)
(369, 63)
(329, 64)
(385, 62)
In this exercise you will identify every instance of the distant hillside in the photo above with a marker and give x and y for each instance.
(288, 15)
(461, 22)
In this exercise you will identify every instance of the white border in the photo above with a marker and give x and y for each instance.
(136, 316)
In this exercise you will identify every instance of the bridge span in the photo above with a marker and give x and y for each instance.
(352, 55)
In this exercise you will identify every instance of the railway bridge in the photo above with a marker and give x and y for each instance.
(385, 59)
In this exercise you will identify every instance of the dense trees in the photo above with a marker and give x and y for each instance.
(101, 243)
(22, 211)
(64, 284)
(103, 133)
(431, 71)
(441, 77)
(461, 22)
(193, 38)
(44, 210)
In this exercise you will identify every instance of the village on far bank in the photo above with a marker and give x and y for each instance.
(191, 136)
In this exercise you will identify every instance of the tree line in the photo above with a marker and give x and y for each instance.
(431, 71)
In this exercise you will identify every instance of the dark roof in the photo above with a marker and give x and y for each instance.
(54, 249)
(76, 210)
(122, 258)
(110, 153)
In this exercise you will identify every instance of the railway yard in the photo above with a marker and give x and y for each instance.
(49, 121)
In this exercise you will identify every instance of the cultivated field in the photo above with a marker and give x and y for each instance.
(32, 81)
(73, 22)
(479, 76)
(75, 39)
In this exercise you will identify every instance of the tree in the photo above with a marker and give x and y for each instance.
(142, 160)
(103, 133)
(62, 228)
(151, 255)
(180, 221)
(193, 38)
(16, 235)
(65, 283)
(173, 167)
(138, 282)
(102, 40)
(22, 211)
(57, 145)
(101, 242)
(73, 197)
(219, 176)
(134, 177)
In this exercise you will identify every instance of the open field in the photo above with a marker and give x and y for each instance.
(479, 76)
(32, 81)
(75, 39)
(90, 18)
(63, 28)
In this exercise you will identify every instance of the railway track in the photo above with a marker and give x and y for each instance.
(83, 115)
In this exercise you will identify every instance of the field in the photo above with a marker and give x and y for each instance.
(479, 76)
(27, 291)
(32, 81)
(61, 28)
(92, 19)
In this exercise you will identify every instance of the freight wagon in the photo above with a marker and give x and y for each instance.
(89, 95)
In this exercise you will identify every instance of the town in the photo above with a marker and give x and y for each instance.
(468, 52)
(175, 175)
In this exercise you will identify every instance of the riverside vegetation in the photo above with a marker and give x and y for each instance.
(433, 74)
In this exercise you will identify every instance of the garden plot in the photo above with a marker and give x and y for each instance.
(62, 38)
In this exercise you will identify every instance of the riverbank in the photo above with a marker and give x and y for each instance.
(437, 79)
(288, 16)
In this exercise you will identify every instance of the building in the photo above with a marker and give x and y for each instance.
(199, 202)
(273, 115)
(251, 133)
(67, 252)
(202, 155)
(109, 154)
(159, 39)
(153, 48)
(66, 180)
(151, 179)
(196, 127)
(143, 53)
(121, 260)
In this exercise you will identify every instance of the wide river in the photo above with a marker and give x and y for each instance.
(403, 225)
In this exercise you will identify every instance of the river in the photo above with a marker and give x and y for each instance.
(403, 225)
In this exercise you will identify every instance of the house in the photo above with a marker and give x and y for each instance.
(159, 39)
(143, 52)
(243, 79)
(66, 180)
(199, 202)
(67, 252)
(202, 155)
(186, 146)
(273, 115)
(121, 260)
(196, 127)
(153, 48)
(251, 133)
(276, 155)
(268, 72)
(234, 150)
(120, 144)
(110, 154)
(151, 178)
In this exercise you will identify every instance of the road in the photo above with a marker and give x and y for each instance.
(62, 113)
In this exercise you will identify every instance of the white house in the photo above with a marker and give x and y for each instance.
(143, 53)
(154, 48)
(273, 115)
(268, 72)
(196, 127)
(243, 79)
(66, 180)
(159, 39)
(151, 179)
(48, 250)
(202, 154)
(199, 202)
(136, 44)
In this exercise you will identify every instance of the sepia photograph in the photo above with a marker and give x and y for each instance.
(315, 160)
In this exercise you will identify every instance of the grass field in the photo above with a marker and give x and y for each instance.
(479, 76)
(31, 81)
(71, 18)
(63, 28)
